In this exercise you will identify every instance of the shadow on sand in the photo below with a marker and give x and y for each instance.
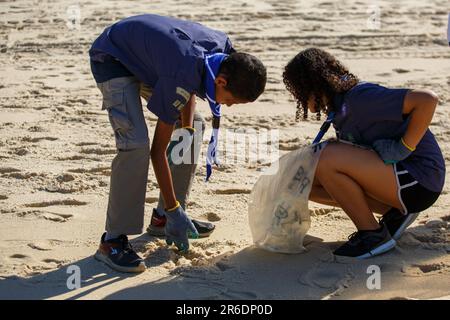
(248, 274)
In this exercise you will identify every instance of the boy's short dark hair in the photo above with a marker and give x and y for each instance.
(245, 74)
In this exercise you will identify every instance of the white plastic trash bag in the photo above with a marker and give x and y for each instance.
(278, 208)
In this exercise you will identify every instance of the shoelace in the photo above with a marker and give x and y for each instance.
(385, 218)
(353, 236)
(126, 245)
(356, 239)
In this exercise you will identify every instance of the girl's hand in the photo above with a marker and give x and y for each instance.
(392, 151)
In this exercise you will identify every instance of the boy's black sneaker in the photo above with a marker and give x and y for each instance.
(119, 255)
(397, 222)
(366, 244)
(157, 224)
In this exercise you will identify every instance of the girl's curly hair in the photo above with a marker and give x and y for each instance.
(316, 73)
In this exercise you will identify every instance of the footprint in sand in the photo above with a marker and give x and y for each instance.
(21, 151)
(435, 238)
(29, 139)
(426, 269)
(383, 74)
(65, 178)
(83, 144)
(80, 101)
(56, 217)
(321, 211)
(328, 275)
(51, 216)
(66, 202)
(36, 129)
(223, 266)
(98, 151)
(400, 70)
(45, 245)
(74, 157)
(8, 170)
(290, 144)
(101, 170)
(232, 191)
(51, 263)
(288, 147)
(435, 223)
(55, 188)
(40, 246)
(22, 176)
(151, 200)
(52, 260)
(19, 256)
(212, 217)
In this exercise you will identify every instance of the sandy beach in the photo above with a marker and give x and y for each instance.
(56, 148)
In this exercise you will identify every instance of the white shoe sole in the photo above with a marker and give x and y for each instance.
(408, 221)
(101, 257)
(385, 247)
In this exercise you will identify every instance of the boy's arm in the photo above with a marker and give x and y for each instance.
(161, 138)
(187, 113)
(178, 224)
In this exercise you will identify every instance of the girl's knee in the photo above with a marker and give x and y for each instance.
(327, 160)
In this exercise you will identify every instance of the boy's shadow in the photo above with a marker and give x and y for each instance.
(52, 284)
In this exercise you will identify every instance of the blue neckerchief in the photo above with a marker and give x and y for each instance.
(212, 66)
(338, 103)
(324, 128)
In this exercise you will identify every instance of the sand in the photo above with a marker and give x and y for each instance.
(56, 147)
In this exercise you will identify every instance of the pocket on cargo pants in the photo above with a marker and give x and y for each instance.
(116, 106)
(121, 99)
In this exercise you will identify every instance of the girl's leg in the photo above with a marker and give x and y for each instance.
(350, 176)
(320, 195)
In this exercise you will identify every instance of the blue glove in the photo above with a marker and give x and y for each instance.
(177, 227)
(392, 151)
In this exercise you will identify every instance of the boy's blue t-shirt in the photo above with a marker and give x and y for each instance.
(165, 53)
(109, 69)
(370, 112)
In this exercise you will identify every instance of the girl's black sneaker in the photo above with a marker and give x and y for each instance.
(366, 244)
(397, 222)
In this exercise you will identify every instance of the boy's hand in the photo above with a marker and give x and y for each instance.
(177, 227)
(391, 151)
